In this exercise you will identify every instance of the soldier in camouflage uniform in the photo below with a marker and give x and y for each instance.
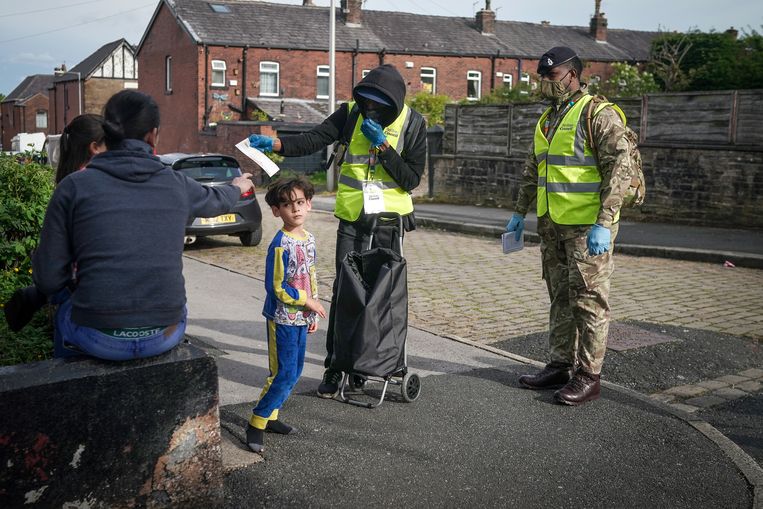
(578, 216)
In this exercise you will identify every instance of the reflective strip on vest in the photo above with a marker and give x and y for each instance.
(355, 170)
(569, 181)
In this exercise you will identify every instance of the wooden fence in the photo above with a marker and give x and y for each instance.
(726, 119)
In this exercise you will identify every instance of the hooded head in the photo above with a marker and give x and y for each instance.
(381, 94)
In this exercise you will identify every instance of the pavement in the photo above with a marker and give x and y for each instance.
(678, 423)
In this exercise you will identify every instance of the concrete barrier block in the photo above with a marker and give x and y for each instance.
(89, 433)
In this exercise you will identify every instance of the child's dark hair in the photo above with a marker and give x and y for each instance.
(129, 114)
(75, 143)
(281, 190)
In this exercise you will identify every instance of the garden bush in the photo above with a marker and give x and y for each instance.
(25, 190)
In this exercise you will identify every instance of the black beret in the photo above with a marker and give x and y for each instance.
(554, 57)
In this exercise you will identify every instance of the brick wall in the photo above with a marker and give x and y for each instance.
(182, 109)
(22, 118)
(97, 91)
(684, 185)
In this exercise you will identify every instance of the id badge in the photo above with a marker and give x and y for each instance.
(373, 196)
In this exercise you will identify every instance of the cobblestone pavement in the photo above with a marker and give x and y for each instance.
(465, 286)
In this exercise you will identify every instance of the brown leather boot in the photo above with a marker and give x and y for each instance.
(552, 376)
(581, 388)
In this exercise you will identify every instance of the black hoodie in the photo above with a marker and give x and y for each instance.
(405, 168)
(122, 220)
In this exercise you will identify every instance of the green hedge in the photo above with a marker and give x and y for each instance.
(24, 194)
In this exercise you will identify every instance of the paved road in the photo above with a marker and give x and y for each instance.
(474, 437)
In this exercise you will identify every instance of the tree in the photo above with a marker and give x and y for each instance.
(667, 55)
(627, 81)
(432, 107)
(708, 61)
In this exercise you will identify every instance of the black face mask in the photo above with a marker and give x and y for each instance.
(374, 115)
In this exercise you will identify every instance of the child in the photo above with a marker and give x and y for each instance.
(82, 139)
(291, 304)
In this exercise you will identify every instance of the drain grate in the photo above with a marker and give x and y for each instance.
(623, 336)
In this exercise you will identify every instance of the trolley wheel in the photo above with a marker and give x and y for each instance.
(410, 387)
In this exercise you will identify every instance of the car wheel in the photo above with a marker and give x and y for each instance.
(251, 238)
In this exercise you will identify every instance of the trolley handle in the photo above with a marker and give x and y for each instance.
(386, 215)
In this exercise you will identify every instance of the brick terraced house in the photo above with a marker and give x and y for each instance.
(26, 109)
(214, 65)
(87, 86)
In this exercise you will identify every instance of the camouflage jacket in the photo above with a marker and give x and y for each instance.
(608, 133)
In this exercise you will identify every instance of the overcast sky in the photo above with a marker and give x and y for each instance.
(37, 35)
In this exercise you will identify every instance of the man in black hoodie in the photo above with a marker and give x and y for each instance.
(386, 146)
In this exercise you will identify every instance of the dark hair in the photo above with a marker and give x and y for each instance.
(129, 114)
(280, 191)
(575, 64)
(75, 143)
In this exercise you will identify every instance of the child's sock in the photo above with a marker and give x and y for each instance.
(22, 306)
(280, 427)
(255, 438)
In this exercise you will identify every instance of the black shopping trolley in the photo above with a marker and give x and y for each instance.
(371, 320)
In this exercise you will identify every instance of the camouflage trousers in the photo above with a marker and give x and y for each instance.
(578, 286)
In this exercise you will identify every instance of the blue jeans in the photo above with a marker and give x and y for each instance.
(97, 344)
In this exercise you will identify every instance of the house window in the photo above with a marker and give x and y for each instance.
(218, 73)
(269, 78)
(41, 119)
(473, 85)
(323, 82)
(429, 79)
(168, 75)
(220, 8)
(524, 81)
(508, 80)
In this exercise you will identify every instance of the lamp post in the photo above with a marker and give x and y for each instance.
(330, 172)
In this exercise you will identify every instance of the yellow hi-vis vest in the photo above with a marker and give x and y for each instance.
(355, 169)
(569, 180)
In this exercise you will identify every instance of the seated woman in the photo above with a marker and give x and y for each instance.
(81, 140)
(122, 220)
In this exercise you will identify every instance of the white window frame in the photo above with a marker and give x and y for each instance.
(168, 74)
(525, 78)
(432, 73)
(508, 80)
(322, 72)
(218, 66)
(277, 71)
(41, 114)
(364, 73)
(475, 76)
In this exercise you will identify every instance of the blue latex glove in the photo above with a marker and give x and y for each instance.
(373, 131)
(517, 224)
(261, 143)
(598, 240)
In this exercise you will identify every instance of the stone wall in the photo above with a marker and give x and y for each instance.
(89, 433)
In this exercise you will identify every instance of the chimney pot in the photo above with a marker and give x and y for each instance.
(598, 26)
(307, 3)
(352, 12)
(486, 20)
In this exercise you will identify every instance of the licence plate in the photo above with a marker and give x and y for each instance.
(225, 218)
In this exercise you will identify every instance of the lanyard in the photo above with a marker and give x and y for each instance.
(373, 155)
(546, 124)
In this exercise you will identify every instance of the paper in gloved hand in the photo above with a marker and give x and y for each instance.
(258, 157)
(510, 242)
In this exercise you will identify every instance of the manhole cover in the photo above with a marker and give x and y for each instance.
(627, 337)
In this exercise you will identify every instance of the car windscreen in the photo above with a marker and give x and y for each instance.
(215, 170)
